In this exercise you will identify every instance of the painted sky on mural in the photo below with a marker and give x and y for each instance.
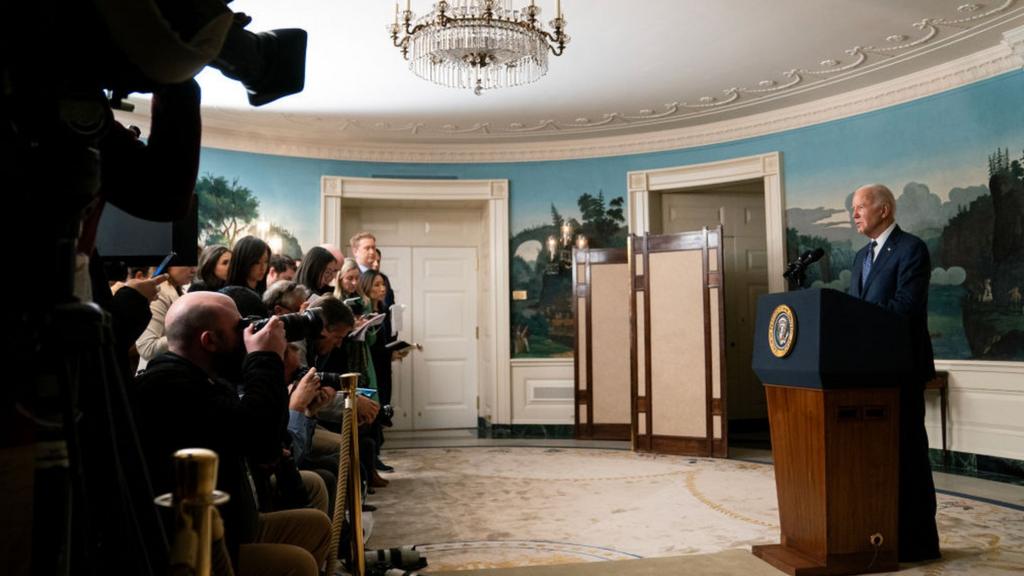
(943, 141)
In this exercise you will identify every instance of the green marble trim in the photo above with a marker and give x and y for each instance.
(981, 466)
(532, 431)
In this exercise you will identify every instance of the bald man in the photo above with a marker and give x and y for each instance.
(335, 251)
(893, 271)
(180, 401)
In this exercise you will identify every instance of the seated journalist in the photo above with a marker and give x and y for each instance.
(180, 401)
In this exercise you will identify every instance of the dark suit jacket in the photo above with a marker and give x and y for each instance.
(898, 282)
(177, 405)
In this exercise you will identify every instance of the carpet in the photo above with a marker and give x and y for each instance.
(481, 508)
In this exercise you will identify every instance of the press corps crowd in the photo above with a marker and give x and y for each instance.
(216, 370)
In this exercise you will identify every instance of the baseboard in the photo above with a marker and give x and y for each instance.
(978, 466)
(536, 431)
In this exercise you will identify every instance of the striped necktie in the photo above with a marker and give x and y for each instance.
(868, 261)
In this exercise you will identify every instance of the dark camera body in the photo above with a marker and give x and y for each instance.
(297, 326)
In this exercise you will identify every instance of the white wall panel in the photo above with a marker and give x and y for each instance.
(542, 391)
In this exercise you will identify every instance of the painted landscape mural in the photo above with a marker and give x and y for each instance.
(541, 280)
(975, 236)
(952, 159)
(228, 211)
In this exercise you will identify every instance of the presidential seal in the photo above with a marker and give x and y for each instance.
(782, 331)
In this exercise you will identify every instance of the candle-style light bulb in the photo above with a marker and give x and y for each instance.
(552, 247)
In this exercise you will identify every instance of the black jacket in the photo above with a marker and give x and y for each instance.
(898, 282)
(177, 405)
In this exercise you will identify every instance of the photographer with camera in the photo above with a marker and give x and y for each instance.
(286, 297)
(181, 401)
(330, 354)
(66, 65)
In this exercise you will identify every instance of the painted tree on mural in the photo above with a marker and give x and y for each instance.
(987, 241)
(603, 224)
(542, 322)
(289, 244)
(226, 209)
(976, 242)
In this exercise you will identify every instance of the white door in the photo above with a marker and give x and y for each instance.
(740, 210)
(396, 263)
(444, 323)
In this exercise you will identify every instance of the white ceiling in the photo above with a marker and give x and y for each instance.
(630, 67)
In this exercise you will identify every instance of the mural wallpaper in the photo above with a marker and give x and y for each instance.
(952, 159)
(541, 279)
(228, 211)
(975, 237)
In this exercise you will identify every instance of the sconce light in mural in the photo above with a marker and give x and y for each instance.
(560, 249)
(275, 241)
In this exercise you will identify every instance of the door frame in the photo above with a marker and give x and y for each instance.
(492, 195)
(643, 184)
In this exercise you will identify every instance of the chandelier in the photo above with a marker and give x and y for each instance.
(478, 44)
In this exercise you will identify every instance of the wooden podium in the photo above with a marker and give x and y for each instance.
(831, 372)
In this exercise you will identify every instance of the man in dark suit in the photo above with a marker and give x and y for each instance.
(893, 271)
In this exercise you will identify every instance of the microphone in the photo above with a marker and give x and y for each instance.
(809, 257)
(797, 267)
(794, 265)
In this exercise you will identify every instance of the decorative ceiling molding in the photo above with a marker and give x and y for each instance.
(985, 64)
(929, 34)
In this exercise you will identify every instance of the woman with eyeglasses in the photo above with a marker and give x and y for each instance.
(317, 270)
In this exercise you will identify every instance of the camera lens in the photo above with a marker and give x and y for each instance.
(302, 325)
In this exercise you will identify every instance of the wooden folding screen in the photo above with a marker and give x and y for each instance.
(677, 348)
(601, 295)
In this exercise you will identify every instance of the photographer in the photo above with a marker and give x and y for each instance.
(181, 401)
(286, 297)
(327, 354)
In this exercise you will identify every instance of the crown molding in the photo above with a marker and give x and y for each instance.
(988, 63)
(1014, 40)
(929, 34)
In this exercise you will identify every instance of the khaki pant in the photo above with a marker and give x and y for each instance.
(288, 543)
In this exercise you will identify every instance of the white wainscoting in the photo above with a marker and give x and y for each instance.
(542, 391)
(986, 409)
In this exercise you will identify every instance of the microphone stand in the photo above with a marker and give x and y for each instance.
(797, 278)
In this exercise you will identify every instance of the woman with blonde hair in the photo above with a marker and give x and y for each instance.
(347, 281)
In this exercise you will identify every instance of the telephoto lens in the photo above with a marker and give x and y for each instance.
(297, 326)
(404, 558)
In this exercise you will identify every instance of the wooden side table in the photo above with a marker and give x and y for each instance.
(941, 383)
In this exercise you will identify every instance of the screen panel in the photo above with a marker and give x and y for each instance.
(609, 292)
(678, 373)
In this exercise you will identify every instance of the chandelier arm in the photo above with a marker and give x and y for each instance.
(553, 40)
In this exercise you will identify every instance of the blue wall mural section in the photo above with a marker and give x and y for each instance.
(938, 155)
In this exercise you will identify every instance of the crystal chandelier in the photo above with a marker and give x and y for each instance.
(478, 44)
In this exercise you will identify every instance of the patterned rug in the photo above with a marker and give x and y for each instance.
(476, 508)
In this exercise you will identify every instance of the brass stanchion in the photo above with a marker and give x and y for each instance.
(349, 491)
(197, 522)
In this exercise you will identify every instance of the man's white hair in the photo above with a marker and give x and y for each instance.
(880, 194)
